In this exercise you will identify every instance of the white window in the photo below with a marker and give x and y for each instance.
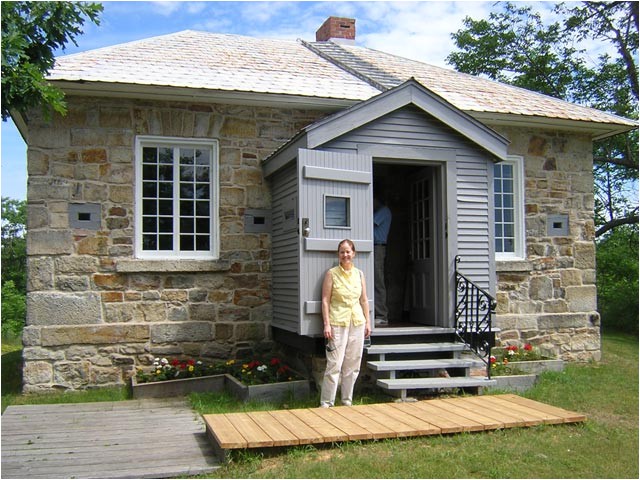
(176, 198)
(508, 188)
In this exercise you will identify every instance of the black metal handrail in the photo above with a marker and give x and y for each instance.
(474, 313)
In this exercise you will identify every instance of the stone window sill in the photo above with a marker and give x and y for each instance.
(513, 266)
(171, 266)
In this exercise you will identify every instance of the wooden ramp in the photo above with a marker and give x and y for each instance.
(131, 439)
(384, 420)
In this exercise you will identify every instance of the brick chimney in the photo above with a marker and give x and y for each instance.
(338, 30)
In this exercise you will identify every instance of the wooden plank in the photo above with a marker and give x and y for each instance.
(376, 429)
(466, 424)
(250, 430)
(338, 417)
(443, 422)
(279, 434)
(509, 417)
(408, 415)
(328, 432)
(567, 415)
(395, 427)
(496, 412)
(488, 422)
(224, 431)
(536, 415)
(303, 432)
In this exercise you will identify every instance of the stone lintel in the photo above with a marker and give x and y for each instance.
(171, 266)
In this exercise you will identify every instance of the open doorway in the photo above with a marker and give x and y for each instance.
(415, 244)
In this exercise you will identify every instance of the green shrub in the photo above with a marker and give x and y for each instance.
(617, 273)
(14, 310)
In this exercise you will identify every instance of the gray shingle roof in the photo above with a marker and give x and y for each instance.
(193, 59)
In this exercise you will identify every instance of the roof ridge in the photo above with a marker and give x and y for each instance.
(353, 64)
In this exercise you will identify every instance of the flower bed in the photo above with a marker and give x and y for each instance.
(268, 380)
(512, 360)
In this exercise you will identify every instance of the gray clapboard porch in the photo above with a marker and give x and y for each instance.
(434, 163)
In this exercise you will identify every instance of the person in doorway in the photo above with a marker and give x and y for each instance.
(381, 226)
(345, 314)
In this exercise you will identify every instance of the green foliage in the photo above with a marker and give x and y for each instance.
(517, 45)
(617, 278)
(14, 243)
(14, 310)
(31, 32)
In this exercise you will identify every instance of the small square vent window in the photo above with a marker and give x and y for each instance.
(86, 216)
(557, 225)
(337, 212)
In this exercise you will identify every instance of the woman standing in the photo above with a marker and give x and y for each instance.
(345, 313)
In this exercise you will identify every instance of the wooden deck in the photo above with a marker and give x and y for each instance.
(384, 420)
(131, 439)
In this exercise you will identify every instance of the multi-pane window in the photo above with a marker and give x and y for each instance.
(508, 208)
(176, 209)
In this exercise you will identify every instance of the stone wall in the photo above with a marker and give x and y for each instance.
(549, 299)
(94, 312)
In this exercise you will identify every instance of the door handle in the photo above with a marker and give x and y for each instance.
(306, 230)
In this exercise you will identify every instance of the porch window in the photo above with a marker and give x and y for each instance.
(176, 198)
(508, 187)
(337, 212)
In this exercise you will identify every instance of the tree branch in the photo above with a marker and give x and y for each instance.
(616, 222)
(623, 162)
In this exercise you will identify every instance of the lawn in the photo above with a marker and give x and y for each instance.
(606, 446)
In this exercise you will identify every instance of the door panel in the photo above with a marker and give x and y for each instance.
(424, 241)
(335, 202)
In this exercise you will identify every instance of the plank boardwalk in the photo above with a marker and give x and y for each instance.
(131, 439)
(384, 420)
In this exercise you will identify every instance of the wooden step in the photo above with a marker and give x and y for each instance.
(405, 331)
(393, 365)
(438, 382)
(416, 348)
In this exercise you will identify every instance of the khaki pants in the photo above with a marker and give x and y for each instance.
(343, 364)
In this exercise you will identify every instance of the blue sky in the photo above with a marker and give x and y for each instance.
(417, 30)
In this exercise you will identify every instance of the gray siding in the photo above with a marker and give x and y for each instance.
(285, 250)
(411, 127)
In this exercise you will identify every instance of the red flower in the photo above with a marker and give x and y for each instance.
(282, 370)
(253, 364)
(183, 365)
(191, 362)
(528, 347)
(513, 348)
(492, 359)
(275, 361)
(175, 362)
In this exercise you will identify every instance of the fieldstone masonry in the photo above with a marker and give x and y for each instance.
(549, 299)
(94, 312)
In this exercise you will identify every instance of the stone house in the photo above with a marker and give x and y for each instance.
(193, 195)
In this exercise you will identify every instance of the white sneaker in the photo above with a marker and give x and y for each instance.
(346, 403)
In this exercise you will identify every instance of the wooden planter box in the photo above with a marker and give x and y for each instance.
(218, 383)
(181, 386)
(539, 366)
(515, 383)
(268, 392)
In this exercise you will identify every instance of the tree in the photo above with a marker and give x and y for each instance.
(31, 32)
(14, 266)
(14, 242)
(516, 46)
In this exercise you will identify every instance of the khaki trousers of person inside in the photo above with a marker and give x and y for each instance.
(343, 364)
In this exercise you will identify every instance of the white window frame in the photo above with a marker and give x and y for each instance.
(214, 193)
(518, 253)
(349, 217)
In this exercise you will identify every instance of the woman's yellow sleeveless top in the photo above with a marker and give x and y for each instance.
(344, 307)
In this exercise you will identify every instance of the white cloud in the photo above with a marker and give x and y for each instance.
(416, 30)
(166, 9)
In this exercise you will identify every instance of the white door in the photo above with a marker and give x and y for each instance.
(335, 202)
(424, 243)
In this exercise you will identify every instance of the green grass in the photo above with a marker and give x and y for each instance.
(606, 446)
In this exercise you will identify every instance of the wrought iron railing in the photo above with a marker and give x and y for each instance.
(474, 313)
